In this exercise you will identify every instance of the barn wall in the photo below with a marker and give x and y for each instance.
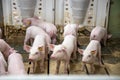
(114, 19)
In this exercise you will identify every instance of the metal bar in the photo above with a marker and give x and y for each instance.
(87, 72)
(48, 60)
(54, 11)
(28, 71)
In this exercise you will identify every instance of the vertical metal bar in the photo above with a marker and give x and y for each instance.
(29, 68)
(87, 72)
(48, 69)
(54, 11)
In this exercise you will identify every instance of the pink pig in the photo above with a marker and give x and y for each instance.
(91, 53)
(70, 29)
(5, 48)
(99, 33)
(15, 64)
(64, 51)
(47, 27)
(38, 51)
(0, 33)
(32, 32)
(3, 65)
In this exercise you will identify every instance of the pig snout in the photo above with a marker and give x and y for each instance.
(30, 59)
(52, 57)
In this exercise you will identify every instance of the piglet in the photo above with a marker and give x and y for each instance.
(15, 64)
(0, 33)
(32, 32)
(5, 48)
(49, 28)
(3, 65)
(99, 33)
(70, 29)
(63, 52)
(38, 51)
(91, 53)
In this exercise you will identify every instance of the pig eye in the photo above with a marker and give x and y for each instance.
(36, 53)
(89, 55)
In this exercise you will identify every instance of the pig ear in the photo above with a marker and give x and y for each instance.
(51, 46)
(64, 49)
(93, 52)
(109, 36)
(27, 48)
(80, 51)
(41, 48)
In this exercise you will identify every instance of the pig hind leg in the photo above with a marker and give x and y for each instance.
(105, 39)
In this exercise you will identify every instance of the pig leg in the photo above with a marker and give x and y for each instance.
(105, 39)
(57, 67)
(92, 69)
(33, 67)
(27, 37)
(31, 41)
(66, 68)
(99, 57)
(42, 65)
(83, 67)
(75, 49)
(53, 39)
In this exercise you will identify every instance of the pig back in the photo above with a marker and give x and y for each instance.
(69, 43)
(15, 64)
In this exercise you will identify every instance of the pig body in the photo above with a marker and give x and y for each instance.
(91, 53)
(15, 64)
(49, 28)
(5, 48)
(0, 33)
(99, 33)
(70, 29)
(3, 64)
(38, 51)
(33, 31)
(64, 51)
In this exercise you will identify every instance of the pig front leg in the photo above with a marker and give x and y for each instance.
(83, 67)
(57, 66)
(92, 69)
(42, 67)
(67, 67)
(99, 57)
